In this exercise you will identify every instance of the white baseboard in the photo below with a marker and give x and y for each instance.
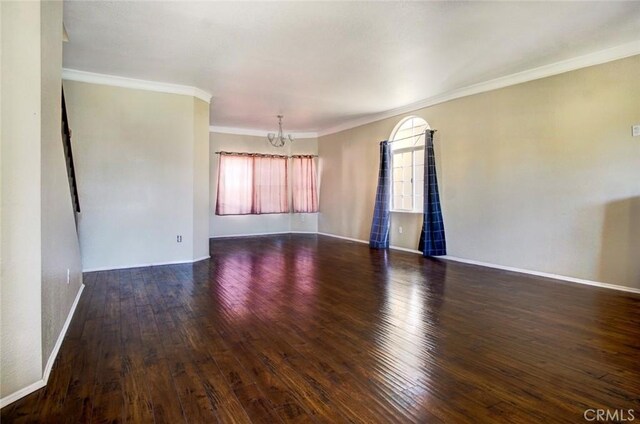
(52, 359)
(343, 237)
(404, 249)
(544, 274)
(19, 394)
(111, 268)
(507, 268)
(201, 258)
(250, 234)
(65, 327)
(262, 234)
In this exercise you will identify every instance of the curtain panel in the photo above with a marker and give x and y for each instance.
(432, 238)
(379, 237)
(305, 184)
(251, 184)
(270, 182)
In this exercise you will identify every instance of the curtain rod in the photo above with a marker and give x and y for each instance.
(264, 155)
(411, 136)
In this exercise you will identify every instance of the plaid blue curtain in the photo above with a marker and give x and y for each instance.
(432, 240)
(379, 238)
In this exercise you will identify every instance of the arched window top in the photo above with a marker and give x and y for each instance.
(408, 133)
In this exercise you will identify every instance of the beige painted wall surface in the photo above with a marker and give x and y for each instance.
(60, 248)
(20, 328)
(541, 176)
(134, 157)
(255, 224)
(201, 163)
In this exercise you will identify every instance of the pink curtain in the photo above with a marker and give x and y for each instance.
(305, 186)
(270, 185)
(251, 185)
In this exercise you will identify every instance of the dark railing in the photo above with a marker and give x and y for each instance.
(68, 154)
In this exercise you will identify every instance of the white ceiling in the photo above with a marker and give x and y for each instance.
(322, 64)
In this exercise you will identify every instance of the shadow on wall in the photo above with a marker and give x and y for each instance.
(620, 252)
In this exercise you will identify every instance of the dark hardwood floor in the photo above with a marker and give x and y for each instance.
(305, 328)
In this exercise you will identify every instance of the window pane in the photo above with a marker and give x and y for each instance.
(397, 202)
(419, 154)
(408, 173)
(407, 189)
(418, 188)
(407, 159)
(418, 204)
(397, 188)
(406, 203)
(397, 174)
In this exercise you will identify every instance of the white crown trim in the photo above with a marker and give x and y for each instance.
(113, 80)
(257, 133)
(597, 58)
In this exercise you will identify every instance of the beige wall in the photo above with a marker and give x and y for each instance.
(20, 329)
(541, 176)
(257, 224)
(201, 163)
(60, 248)
(139, 158)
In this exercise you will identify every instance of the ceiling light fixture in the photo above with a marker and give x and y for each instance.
(278, 140)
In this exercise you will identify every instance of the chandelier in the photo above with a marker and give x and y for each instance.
(278, 140)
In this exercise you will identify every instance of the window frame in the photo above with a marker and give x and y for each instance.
(415, 208)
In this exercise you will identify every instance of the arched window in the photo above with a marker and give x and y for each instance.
(407, 162)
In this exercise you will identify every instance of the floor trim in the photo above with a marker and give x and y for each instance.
(274, 233)
(343, 237)
(19, 394)
(545, 274)
(508, 268)
(404, 249)
(107, 268)
(52, 359)
(65, 327)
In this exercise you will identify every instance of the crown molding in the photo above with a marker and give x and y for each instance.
(597, 58)
(602, 56)
(116, 81)
(257, 133)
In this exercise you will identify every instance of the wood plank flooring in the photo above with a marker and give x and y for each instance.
(305, 328)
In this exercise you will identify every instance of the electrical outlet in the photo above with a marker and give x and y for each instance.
(400, 230)
(635, 130)
(68, 275)
(179, 239)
